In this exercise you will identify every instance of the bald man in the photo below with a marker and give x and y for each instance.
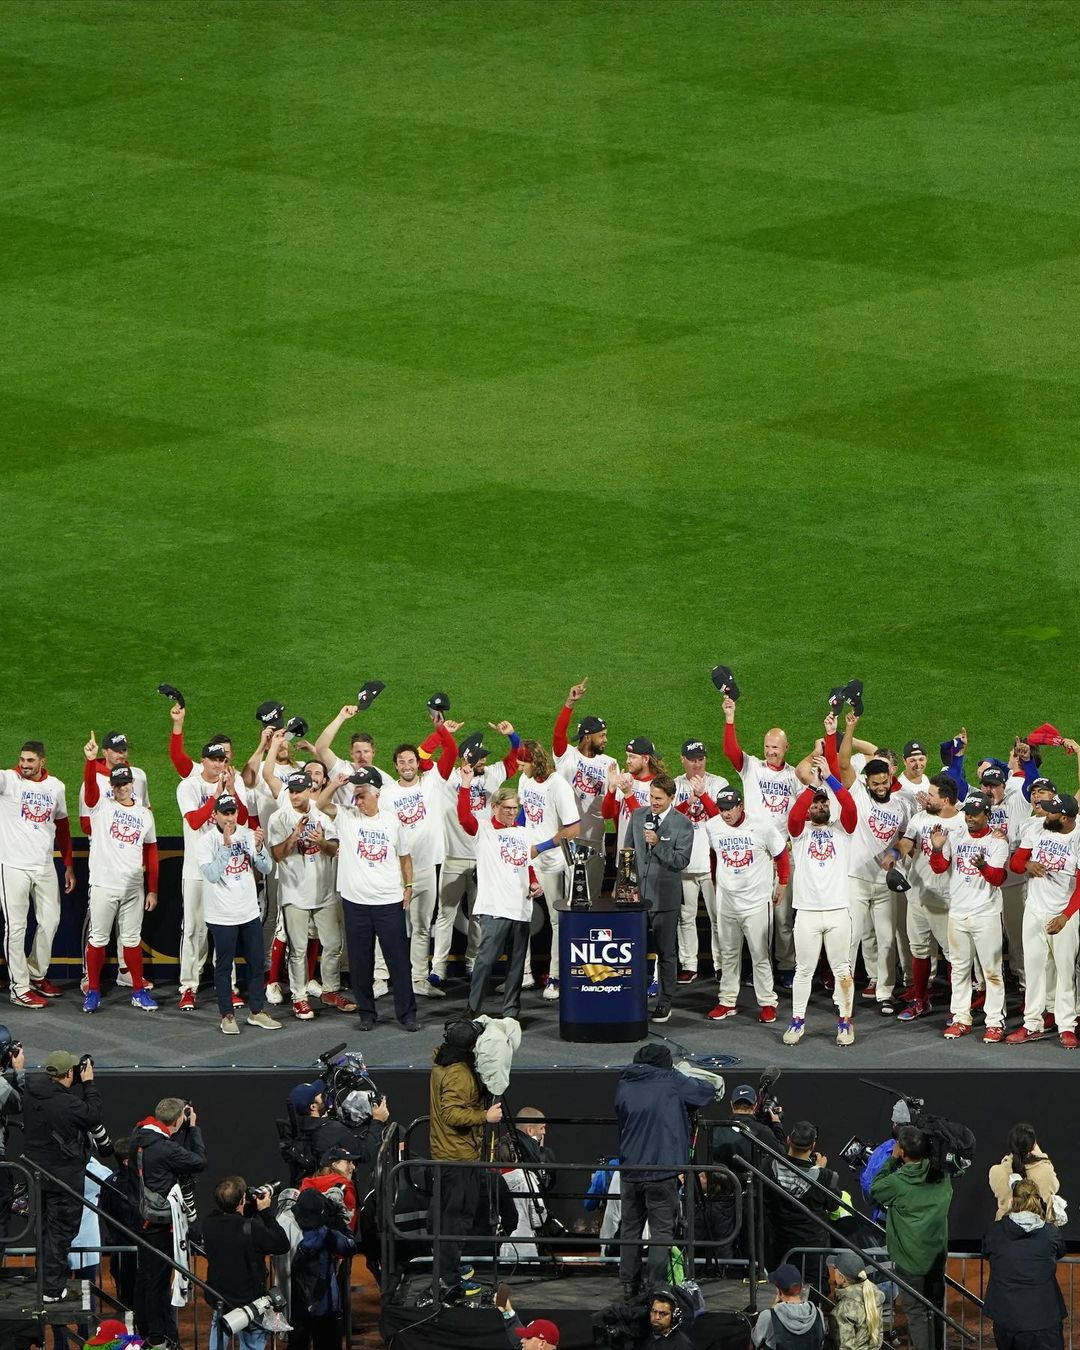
(770, 786)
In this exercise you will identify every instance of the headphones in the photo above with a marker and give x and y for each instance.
(666, 1295)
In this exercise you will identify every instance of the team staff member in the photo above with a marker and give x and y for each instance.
(975, 861)
(928, 898)
(752, 868)
(374, 878)
(586, 767)
(663, 840)
(123, 842)
(298, 842)
(821, 850)
(33, 820)
(1049, 856)
(229, 856)
(697, 879)
(629, 790)
(551, 812)
(770, 786)
(503, 906)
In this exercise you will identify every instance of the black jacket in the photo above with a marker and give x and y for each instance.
(166, 1159)
(675, 1340)
(236, 1252)
(728, 1143)
(651, 1105)
(57, 1122)
(787, 1226)
(1022, 1293)
(326, 1133)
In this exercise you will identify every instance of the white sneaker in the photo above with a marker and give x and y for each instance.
(424, 990)
(551, 990)
(527, 980)
(794, 1033)
(314, 989)
(123, 979)
(274, 993)
(379, 989)
(229, 1027)
(845, 1032)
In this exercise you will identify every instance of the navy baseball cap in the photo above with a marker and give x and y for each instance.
(227, 804)
(366, 776)
(977, 802)
(1060, 804)
(589, 726)
(297, 782)
(694, 749)
(786, 1277)
(121, 775)
(992, 778)
(727, 799)
(115, 740)
(744, 1093)
(914, 748)
(640, 745)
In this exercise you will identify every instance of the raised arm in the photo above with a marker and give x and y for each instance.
(324, 743)
(466, 819)
(181, 760)
(842, 769)
(559, 742)
(731, 740)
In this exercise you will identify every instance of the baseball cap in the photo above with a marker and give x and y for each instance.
(370, 692)
(121, 775)
(271, 713)
(1060, 804)
(803, 1134)
(115, 740)
(302, 1097)
(991, 778)
(727, 799)
(473, 748)
(366, 775)
(439, 702)
(641, 745)
(310, 1210)
(214, 750)
(975, 803)
(296, 726)
(724, 680)
(896, 881)
(694, 749)
(786, 1277)
(227, 803)
(914, 748)
(60, 1062)
(541, 1327)
(112, 1329)
(297, 782)
(1043, 785)
(341, 1154)
(744, 1093)
(847, 1263)
(589, 726)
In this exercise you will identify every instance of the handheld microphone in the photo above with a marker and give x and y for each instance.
(652, 822)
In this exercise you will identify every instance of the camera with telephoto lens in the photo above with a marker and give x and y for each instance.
(85, 1061)
(255, 1193)
(258, 1310)
(768, 1107)
(856, 1154)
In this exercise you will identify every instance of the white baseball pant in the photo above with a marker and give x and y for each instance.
(873, 912)
(754, 929)
(815, 928)
(978, 935)
(457, 887)
(692, 883)
(1050, 963)
(18, 887)
(327, 923)
(556, 884)
(418, 916)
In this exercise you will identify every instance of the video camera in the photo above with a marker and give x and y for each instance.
(9, 1049)
(768, 1107)
(950, 1146)
(351, 1094)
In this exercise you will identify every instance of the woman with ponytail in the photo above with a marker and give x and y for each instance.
(1024, 1159)
(857, 1303)
(1022, 1296)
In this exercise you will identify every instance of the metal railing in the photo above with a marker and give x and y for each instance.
(973, 1269)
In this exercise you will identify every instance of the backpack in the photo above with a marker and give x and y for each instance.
(154, 1208)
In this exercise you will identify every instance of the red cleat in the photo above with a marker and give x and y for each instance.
(955, 1030)
(720, 1012)
(1021, 1036)
(237, 999)
(45, 988)
(29, 1000)
(187, 1001)
(1048, 1022)
(992, 1035)
(767, 1015)
(870, 991)
(1068, 1040)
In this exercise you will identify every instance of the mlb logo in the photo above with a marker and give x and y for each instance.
(599, 934)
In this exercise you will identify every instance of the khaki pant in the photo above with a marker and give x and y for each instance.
(457, 888)
(692, 883)
(327, 923)
(18, 888)
(815, 928)
(754, 928)
(976, 935)
(418, 917)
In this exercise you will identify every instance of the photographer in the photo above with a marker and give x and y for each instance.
(916, 1228)
(239, 1235)
(12, 1088)
(786, 1225)
(166, 1151)
(735, 1137)
(61, 1122)
(527, 1178)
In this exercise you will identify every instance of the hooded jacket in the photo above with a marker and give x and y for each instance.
(456, 1130)
(798, 1318)
(57, 1122)
(654, 1131)
(917, 1222)
(1040, 1170)
(1022, 1293)
(166, 1159)
(849, 1317)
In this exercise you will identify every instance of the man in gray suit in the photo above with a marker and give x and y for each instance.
(663, 841)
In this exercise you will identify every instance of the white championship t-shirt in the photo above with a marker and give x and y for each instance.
(1059, 853)
(549, 807)
(821, 866)
(502, 871)
(879, 826)
(117, 835)
(29, 811)
(695, 814)
(924, 880)
(306, 875)
(419, 809)
(744, 862)
(768, 794)
(368, 870)
(969, 891)
(234, 899)
(588, 778)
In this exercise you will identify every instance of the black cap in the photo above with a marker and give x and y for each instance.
(975, 803)
(694, 749)
(115, 740)
(992, 778)
(1043, 785)
(227, 803)
(171, 691)
(727, 799)
(659, 1056)
(853, 694)
(914, 748)
(439, 702)
(725, 681)
(1060, 804)
(896, 881)
(296, 726)
(121, 775)
(297, 782)
(641, 745)
(744, 1093)
(473, 748)
(368, 776)
(803, 1134)
(341, 1154)
(215, 750)
(589, 726)
(271, 714)
(370, 692)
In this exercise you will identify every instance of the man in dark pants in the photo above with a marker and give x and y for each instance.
(61, 1120)
(916, 1230)
(663, 840)
(651, 1104)
(374, 879)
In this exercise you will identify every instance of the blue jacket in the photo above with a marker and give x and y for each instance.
(875, 1163)
(654, 1131)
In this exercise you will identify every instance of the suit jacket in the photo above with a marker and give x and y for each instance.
(660, 870)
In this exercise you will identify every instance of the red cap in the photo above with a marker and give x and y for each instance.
(547, 1330)
(108, 1332)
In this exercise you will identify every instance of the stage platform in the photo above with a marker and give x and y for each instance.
(119, 1036)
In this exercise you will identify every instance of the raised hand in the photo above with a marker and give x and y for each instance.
(259, 837)
(177, 713)
(504, 728)
(937, 838)
(90, 749)
(830, 724)
(453, 727)
(466, 773)
(577, 691)
(349, 710)
(728, 706)
(697, 784)
(851, 719)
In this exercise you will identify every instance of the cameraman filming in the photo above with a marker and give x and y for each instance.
(61, 1122)
(12, 1087)
(166, 1151)
(916, 1228)
(239, 1235)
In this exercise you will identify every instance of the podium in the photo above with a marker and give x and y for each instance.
(603, 972)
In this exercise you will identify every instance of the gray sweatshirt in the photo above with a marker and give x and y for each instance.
(797, 1317)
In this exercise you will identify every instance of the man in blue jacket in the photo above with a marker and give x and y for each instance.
(651, 1104)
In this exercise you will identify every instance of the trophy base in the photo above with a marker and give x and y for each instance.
(580, 904)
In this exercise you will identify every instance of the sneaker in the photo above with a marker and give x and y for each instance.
(992, 1035)
(380, 989)
(92, 1001)
(334, 998)
(228, 1026)
(886, 1008)
(1048, 1022)
(274, 993)
(124, 981)
(237, 999)
(721, 1011)
(551, 989)
(955, 1030)
(794, 1033)
(435, 979)
(1068, 1040)
(767, 1014)
(661, 1013)
(869, 992)
(367, 1021)
(55, 1298)
(528, 980)
(687, 976)
(785, 979)
(908, 996)
(264, 1020)
(313, 989)
(913, 1011)
(409, 1023)
(141, 999)
(45, 988)
(845, 1032)
(425, 989)
(29, 1000)
(187, 1001)
(301, 1010)
(654, 989)
(1021, 1036)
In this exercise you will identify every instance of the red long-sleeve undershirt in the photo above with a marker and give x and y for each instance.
(831, 757)
(559, 743)
(63, 841)
(731, 747)
(439, 738)
(849, 815)
(91, 791)
(1019, 860)
(994, 875)
(150, 862)
(182, 762)
(466, 819)
(782, 861)
(198, 818)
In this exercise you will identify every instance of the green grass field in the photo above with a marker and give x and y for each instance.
(489, 345)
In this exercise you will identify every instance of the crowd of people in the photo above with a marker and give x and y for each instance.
(303, 862)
